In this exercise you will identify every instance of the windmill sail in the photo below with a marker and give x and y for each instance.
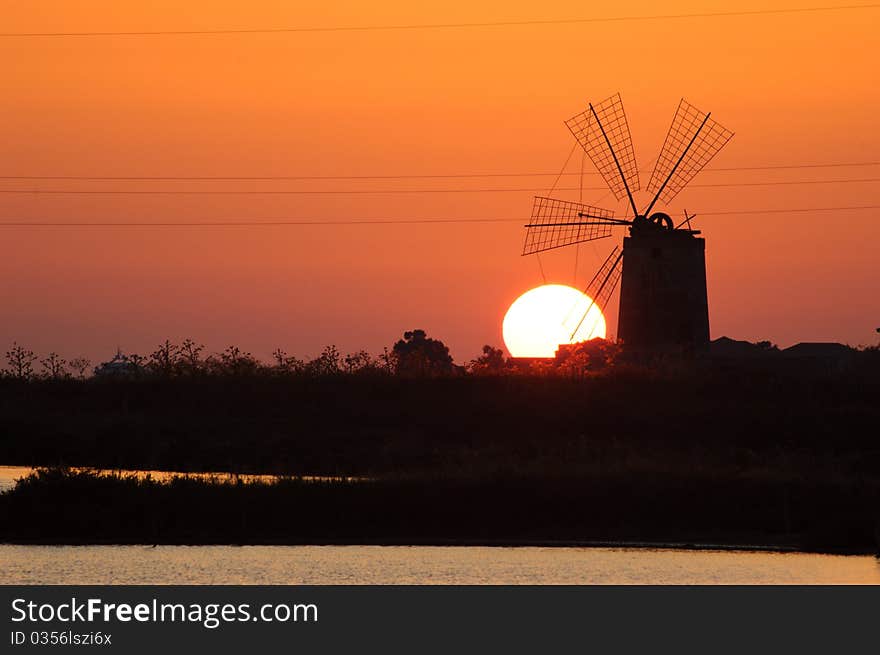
(603, 133)
(557, 223)
(599, 290)
(693, 140)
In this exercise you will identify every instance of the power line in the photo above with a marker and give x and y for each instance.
(383, 221)
(270, 178)
(286, 192)
(798, 210)
(271, 223)
(440, 26)
(784, 166)
(847, 180)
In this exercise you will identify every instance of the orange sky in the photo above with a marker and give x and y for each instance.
(796, 88)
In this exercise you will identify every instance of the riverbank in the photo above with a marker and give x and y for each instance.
(57, 506)
(467, 543)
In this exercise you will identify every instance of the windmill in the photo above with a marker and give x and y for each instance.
(662, 266)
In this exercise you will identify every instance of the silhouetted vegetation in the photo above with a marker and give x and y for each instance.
(765, 449)
(417, 355)
(62, 506)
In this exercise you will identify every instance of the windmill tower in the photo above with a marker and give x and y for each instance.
(662, 266)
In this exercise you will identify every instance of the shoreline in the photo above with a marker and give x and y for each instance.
(687, 545)
(650, 511)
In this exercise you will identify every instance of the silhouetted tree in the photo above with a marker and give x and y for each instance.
(21, 362)
(610, 351)
(80, 365)
(767, 346)
(164, 359)
(190, 357)
(542, 368)
(420, 356)
(286, 364)
(137, 364)
(387, 361)
(358, 362)
(233, 361)
(491, 362)
(327, 363)
(54, 367)
(576, 361)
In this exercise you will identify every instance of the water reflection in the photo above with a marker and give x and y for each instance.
(420, 565)
(410, 565)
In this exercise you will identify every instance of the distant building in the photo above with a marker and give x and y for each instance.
(118, 366)
(828, 357)
(764, 356)
(727, 348)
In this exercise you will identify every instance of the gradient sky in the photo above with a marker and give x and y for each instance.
(796, 88)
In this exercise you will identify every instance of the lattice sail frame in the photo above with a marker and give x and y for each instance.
(694, 135)
(587, 132)
(557, 223)
(600, 289)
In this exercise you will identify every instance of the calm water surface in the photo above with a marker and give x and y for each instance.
(420, 565)
(414, 564)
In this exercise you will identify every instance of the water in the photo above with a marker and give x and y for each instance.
(421, 565)
(414, 564)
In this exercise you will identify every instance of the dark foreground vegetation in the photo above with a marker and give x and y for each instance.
(759, 452)
(53, 506)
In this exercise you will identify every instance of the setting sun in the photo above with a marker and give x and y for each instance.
(544, 317)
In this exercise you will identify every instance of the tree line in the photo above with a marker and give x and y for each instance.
(414, 355)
